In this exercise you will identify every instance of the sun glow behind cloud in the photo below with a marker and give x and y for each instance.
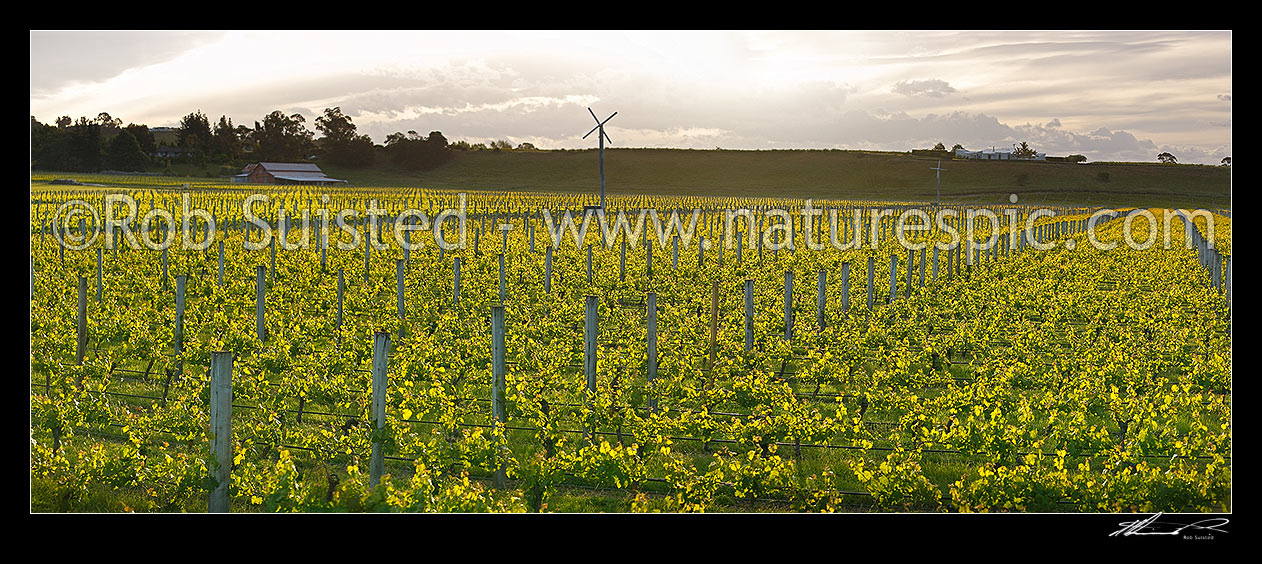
(742, 89)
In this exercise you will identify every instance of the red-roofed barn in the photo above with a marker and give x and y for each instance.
(284, 173)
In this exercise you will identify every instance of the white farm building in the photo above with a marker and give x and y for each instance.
(993, 154)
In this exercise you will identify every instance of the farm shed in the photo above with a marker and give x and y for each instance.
(284, 173)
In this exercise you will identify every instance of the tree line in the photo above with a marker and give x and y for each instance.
(104, 143)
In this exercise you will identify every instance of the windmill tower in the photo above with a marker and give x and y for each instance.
(939, 175)
(600, 125)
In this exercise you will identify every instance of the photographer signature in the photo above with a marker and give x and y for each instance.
(1150, 526)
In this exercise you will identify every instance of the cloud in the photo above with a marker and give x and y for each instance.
(862, 90)
(60, 59)
(934, 88)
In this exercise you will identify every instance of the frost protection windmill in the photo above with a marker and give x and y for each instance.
(939, 175)
(600, 125)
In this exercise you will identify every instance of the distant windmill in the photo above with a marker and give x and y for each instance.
(600, 125)
(939, 175)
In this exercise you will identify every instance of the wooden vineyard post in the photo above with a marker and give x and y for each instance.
(498, 411)
(220, 428)
(547, 270)
(845, 287)
(648, 262)
(674, 253)
(1227, 285)
(260, 286)
(455, 284)
(819, 298)
(324, 249)
(407, 243)
(911, 269)
(893, 278)
(651, 352)
(100, 291)
(922, 268)
(272, 273)
(503, 287)
(714, 321)
(761, 237)
(400, 292)
(590, 325)
(221, 263)
(380, 348)
(81, 346)
(935, 263)
(788, 305)
(589, 265)
(749, 314)
(164, 269)
(622, 263)
(871, 281)
(180, 282)
(341, 290)
(367, 253)
(1217, 261)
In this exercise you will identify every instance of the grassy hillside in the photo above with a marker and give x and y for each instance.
(798, 174)
(814, 174)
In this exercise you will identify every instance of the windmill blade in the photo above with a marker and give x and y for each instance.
(602, 129)
(599, 124)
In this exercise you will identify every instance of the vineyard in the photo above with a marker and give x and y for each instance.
(677, 372)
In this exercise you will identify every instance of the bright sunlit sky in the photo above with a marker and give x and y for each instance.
(1125, 95)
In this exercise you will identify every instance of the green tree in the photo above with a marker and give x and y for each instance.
(1023, 151)
(1166, 157)
(86, 145)
(1226, 161)
(282, 138)
(414, 152)
(108, 122)
(939, 147)
(124, 153)
(245, 135)
(50, 145)
(225, 144)
(143, 136)
(341, 143)
(75, 147)
(194, 134)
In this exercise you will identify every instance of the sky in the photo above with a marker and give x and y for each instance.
(1108, 95)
